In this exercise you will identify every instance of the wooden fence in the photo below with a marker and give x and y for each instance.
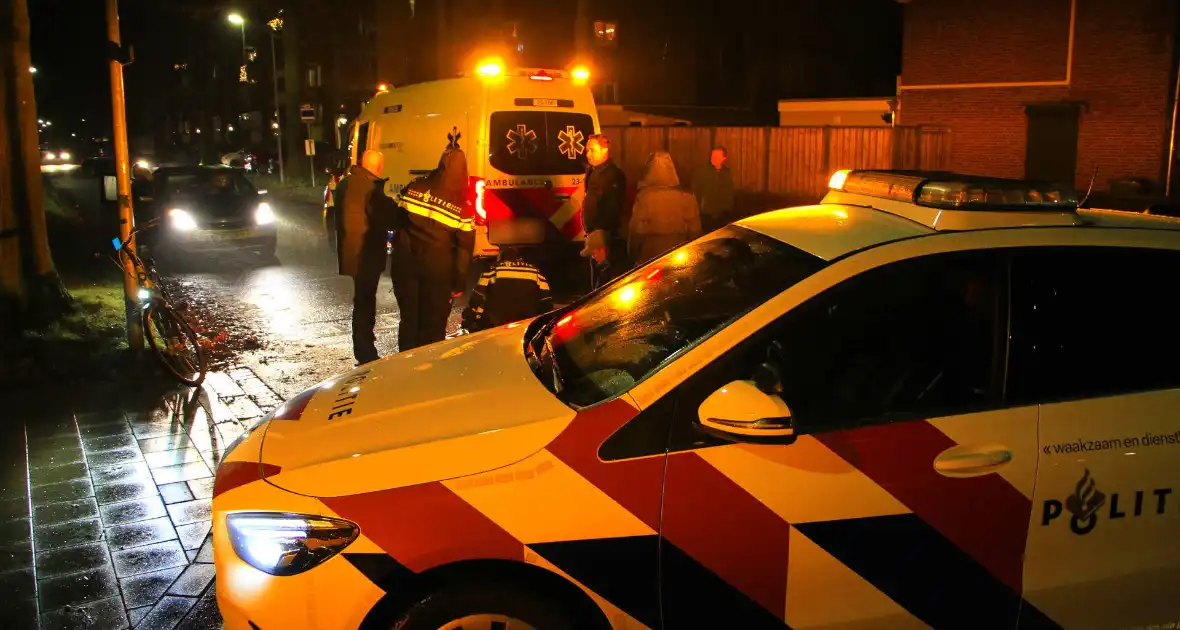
(774, 166)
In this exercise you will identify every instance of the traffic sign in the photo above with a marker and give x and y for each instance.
(307, 112)
(309, 146)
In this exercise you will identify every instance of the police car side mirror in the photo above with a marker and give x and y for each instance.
(742, 412)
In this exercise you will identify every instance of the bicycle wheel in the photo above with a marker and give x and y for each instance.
(175, 344)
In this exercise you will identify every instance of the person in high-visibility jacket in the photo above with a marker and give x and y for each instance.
(513, 290)
(432, 250)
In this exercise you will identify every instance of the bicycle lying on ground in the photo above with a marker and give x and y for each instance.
(175, 342)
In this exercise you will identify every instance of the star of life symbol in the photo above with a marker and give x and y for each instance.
(453, 138)
(572, 144)
(522, 141)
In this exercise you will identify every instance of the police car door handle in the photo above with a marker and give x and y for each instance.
(971, 460)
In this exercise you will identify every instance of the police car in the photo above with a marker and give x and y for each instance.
(929, 401)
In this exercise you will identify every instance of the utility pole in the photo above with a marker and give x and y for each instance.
(123, 176)
(13, 294)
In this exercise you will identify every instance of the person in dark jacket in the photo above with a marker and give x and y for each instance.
(664, 216)
(513, 290)
(432, 250)
(364, 217)
(713, 188)
(602, 212)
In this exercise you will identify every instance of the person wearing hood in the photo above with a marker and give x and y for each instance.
(664, 216)
(713, 187)
(433, 250)
(364, 217)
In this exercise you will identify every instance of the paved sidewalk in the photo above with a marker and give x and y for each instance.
(105, 503)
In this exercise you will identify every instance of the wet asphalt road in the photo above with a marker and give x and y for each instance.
(298, 306)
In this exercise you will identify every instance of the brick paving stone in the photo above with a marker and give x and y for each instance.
(205, 615)
(109, 443)
(19, 584)
(134, 471)
(118, 456)
(176, 492)
(15, 556)
(15, 531)
(157, 430)
(55, 513)
(191, 554)
(67, 534)
(166, 443)
(99, 417)
(58, 562)
(193, 535)
(57, 474)
(104, 430)
(21, 614)
(202, 488)
(156, 530)
(161, 459)
(222, 384)
(106, 613)
(48, 458)
(138, 560)
(132, 511)
(191, 511)
(146, 588)
(124, 491)
(77, 589)
(13, 509)
(195, 579)
(64, 491)
(137, 614)
(183, 472)
(167, 613)
(206, 553)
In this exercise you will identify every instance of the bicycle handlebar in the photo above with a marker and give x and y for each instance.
(150, 223)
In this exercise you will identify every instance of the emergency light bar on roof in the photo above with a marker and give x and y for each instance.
(950, 191)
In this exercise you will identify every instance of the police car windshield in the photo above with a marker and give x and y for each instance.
(616, 337)
(539, 142)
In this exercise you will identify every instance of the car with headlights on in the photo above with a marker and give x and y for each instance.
(211, 209)
(930, 401)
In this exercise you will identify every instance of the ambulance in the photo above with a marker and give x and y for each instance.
(524, 131)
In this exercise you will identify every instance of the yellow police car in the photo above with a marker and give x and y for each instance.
(930, 401)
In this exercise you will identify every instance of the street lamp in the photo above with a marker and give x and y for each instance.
(237, 20)
(32, 70)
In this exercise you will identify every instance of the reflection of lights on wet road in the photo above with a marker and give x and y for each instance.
(273, 292)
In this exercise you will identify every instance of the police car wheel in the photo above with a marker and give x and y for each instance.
(485, 607)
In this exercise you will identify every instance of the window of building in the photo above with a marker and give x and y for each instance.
(606, 32)
(314, 76)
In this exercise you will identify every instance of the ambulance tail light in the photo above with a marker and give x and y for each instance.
(478, 184)
(541, 75)
(283, 544)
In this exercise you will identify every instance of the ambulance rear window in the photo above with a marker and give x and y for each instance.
(539, 142)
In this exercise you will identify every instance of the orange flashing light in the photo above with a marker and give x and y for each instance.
(490, 68)
(838, 179)
(581, 74)
(382, 87)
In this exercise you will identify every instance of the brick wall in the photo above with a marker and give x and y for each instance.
(1121, 76)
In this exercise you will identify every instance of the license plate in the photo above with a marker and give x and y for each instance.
(544, 102)
(230, 235)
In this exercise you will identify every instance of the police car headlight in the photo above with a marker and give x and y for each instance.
(263, 214)
(287, 544)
